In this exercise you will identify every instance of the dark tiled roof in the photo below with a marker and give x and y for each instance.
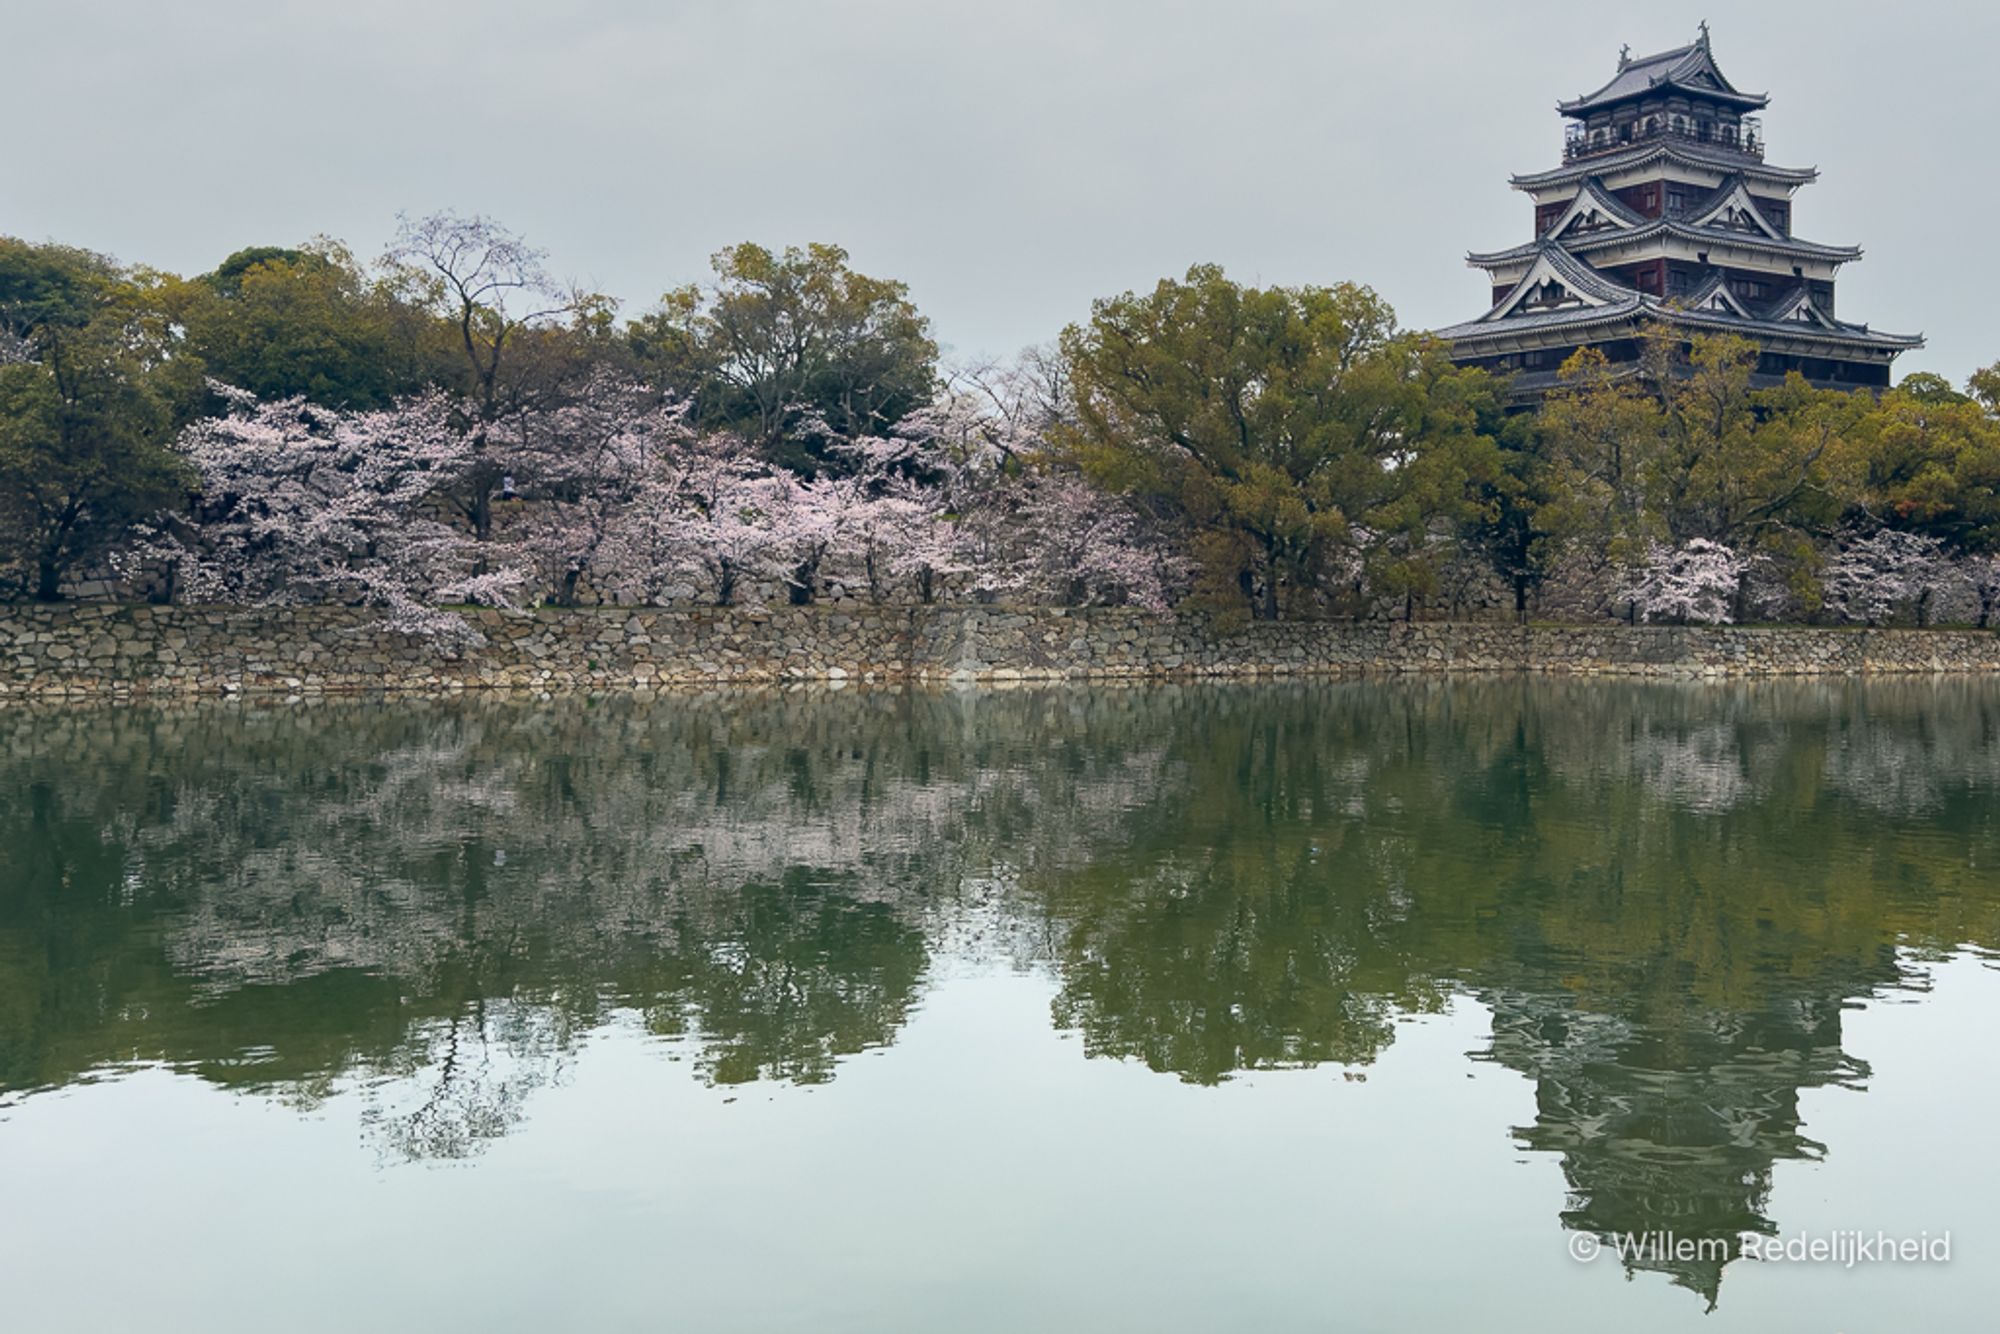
(1480, 259)
(1840, 331)
(1615, 298)
(1638, 307)
(1715, 282)
(1790, 245)
(1729, 186)
(1688, 69)
(1679, 150)
(1784, 245)
(1580, 276)
(1610, 203)
(1783, 301)
(1580, 316)
(1703, 203)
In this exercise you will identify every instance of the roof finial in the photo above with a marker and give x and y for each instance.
(1624, 55)
(1704, 32)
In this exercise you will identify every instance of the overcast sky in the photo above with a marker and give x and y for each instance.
(1010, 160)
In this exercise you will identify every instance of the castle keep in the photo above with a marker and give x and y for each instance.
(1664, 212)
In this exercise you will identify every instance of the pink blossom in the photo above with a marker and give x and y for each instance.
(1693, 583)
(305, 504)
(1870, 577)
(1053, 537)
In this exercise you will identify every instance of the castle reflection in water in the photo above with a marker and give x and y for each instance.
(1665, 897)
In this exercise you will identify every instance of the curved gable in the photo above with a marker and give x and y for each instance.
(1594, 210)
(1734, 208)
(1557, 281)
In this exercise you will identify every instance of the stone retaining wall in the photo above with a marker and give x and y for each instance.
(97, 651)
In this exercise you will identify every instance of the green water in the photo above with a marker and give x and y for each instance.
(1344, 1007)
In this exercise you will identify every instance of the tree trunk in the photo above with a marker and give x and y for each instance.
(48, 581)
(1270, 582)
(804, 581)
(482, 512)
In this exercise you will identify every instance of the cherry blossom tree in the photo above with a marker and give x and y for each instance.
(1012, 407)
(1692, 583)
(961, 490)
(910, 537)
(304, 504)
(701, 516)
(903, 502)
(581, 467)
(884, 527)
(1982, 576)
(493, 290)
(1872, 577)
(612, 493)
(806, 521)
(1053, 537)
(640, 558)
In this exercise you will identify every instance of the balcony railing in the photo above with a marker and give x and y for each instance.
(1746, 138)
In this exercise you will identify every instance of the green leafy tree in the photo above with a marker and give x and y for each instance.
(791, 350)
(1683, 446)
(1601, 437)
(1314, 452)
(1930, 460)
(91, 393)
(1752, 469)
(285, 323)
(1509, 527)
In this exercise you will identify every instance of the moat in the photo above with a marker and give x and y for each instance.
(1353, 1005)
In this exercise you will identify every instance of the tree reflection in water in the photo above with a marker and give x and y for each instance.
(1664, 895)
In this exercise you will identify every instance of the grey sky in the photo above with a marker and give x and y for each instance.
(1009, 160)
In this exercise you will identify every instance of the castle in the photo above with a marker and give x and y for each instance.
(1665, 213)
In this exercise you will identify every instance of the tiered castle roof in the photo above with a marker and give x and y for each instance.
(1690, 70)
(1665, 212)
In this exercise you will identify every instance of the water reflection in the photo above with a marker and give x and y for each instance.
(1665, 896)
